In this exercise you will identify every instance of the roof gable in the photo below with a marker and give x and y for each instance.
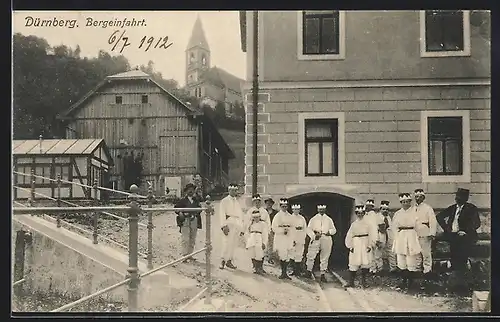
(126, 76)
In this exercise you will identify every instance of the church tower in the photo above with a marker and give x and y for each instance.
(197, 59)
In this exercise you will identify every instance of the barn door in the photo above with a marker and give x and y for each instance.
(168, 154)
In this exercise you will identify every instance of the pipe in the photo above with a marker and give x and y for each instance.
(255, 92)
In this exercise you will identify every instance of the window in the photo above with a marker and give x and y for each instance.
(321, 148)
(445, 33)
(321, 35)
(144, 99)
(445, 145)
(118, 99)
(445, 137)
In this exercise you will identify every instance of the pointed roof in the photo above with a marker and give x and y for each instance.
(198, 36)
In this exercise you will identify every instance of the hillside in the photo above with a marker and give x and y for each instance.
(236, 140)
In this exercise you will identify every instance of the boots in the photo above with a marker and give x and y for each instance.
(222, 264)
(294, 268)
(260, 268)
(229, 264)
(410, 278)
(364, 272)
(308, 275)
(255, 266)
(323, 278)
(352, 277)
(404, 277)
(284, 266)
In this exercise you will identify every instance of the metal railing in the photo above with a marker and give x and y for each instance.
(133, 210)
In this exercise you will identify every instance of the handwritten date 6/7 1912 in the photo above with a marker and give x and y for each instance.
(120, 42)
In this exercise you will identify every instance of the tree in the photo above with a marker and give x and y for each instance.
(220, 112)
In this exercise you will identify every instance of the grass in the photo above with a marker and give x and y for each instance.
(236, 141)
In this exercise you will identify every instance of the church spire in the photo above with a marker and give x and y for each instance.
(198, 36)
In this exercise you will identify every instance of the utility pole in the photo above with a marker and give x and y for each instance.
(255, 92)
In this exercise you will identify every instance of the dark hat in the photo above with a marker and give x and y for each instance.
(188, 186)
(269, 200)
(463, 192)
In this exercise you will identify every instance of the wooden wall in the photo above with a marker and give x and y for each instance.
(160, 128)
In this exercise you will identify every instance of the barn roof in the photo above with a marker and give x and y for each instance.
(59, 147)
(129, 75)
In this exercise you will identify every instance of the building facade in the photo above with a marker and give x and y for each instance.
(136, 116)
(210, 84)
(360, 104)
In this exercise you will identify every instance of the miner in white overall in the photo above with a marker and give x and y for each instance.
(321, 229)
(257, 205)
(257, 233)
(426, 230)
(389, 257)
(374, 219)
(264, 217)
(231, 223)
(299, 241)
(284, 230)
(360, 240)
(406, 244)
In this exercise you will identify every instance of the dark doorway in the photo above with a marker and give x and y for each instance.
(339, 208)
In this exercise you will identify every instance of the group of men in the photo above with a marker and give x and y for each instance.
(376, 241)
(286, 231)
(403, 244)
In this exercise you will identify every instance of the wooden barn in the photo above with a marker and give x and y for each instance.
(136, 116)
(76, 160)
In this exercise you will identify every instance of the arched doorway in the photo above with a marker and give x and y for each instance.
(340, 209)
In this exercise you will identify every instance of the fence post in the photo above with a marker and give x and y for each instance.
(208, 253)
(150, 226)
(31, 200)
(58, 218)
(96, 214)
(133, 270)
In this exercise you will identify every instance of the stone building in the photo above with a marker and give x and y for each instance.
(358, 104)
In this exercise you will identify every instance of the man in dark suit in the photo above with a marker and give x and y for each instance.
(189, 222)
(460, 223)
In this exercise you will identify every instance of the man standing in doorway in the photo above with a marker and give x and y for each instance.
(270, 253)
(461, 230)
(426, 230)
(231, 223)
(321, 229)
(188, 222)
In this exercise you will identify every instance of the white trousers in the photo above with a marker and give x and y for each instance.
(323, 246)
(256, 252)
(297, 253)
(229, 243)
(424, 260)
(389, 256)
(189, 230)
(408, 262)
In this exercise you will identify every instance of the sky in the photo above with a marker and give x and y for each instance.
(221, 30)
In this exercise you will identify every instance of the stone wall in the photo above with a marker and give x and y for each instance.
(56, 268)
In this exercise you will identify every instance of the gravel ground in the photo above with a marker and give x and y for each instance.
(247, 292)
